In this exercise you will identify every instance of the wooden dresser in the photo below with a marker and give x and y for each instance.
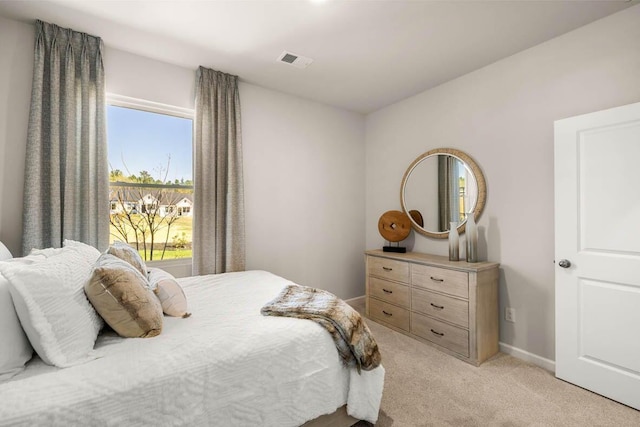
(452, 305)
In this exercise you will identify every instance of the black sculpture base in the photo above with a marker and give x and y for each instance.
(397, 249)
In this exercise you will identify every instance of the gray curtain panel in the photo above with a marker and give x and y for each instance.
(448, 192)
(218, 212)
(66, 190)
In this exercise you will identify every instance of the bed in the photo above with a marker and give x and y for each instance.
(225, 365)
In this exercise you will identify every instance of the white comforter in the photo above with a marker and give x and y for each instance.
(226, 365)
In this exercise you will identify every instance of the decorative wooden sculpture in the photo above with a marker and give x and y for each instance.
(394, 226)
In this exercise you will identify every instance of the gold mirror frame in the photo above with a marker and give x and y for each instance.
(477, 174)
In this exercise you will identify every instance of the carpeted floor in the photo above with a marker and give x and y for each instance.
(425, 387)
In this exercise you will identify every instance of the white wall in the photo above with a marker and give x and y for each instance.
(132, 75)
(16, 69)
(303, 164)
(502, 115)
(304, 181)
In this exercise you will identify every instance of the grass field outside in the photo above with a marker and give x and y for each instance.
(178, 239)
(170, 253)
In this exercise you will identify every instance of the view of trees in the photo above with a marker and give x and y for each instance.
(144, 177)
(152, 215)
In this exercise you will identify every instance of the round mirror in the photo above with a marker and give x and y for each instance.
(440, 187)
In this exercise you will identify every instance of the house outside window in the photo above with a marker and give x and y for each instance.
(150, 179)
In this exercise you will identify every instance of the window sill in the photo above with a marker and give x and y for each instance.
(181, 267)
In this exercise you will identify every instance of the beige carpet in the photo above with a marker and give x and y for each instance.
(425, 387)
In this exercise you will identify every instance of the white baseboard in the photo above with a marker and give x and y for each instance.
(543, 362)
(548, 364)
(356, 300)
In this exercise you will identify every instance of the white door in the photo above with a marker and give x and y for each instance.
(597, 232)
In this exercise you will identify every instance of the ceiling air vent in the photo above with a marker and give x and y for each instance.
(295, 60)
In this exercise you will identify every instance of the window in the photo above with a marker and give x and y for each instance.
(150, 178)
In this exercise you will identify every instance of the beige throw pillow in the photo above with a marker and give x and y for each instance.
(169, 292)
(129, 254)
(121, 295)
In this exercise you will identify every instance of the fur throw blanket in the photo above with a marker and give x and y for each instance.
(352, 336)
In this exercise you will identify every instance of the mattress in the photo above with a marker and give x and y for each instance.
(225, 365)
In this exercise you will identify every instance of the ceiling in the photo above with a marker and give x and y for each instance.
(367, 54)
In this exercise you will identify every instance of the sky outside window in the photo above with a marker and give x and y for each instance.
(141, 140)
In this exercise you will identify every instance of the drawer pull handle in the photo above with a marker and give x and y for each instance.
(387, 268)
(439, 307)
(440, 334)
(387, 291)
(387, 314)
(436, 280)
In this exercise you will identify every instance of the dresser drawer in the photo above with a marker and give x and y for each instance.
(392, 292)
(442, 280)
(445, 335)
(394, 315)
(450, 305)
(389, 269)
(441, 306)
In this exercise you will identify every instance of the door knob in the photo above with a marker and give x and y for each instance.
(564, 263)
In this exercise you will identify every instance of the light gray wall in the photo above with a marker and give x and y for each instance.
(303, 164)
(502, 115)
(304, 181)
(132, 75)
(16, 69)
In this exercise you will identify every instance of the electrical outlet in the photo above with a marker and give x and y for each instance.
(510, 314)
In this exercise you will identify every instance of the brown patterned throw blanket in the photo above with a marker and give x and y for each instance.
(350, 333)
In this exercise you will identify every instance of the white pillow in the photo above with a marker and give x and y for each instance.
(90, 253)
(15, 349)
(169, 292)
(4, 252)
(49, 298)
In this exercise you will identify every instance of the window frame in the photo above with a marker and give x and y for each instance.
(177, 267)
